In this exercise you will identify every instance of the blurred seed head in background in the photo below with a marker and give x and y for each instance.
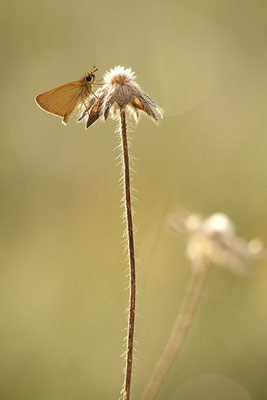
(214, 239)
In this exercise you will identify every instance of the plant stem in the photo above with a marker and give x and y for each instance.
(132, 294)
(180, 330)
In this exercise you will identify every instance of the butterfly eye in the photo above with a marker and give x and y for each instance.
(88, 78)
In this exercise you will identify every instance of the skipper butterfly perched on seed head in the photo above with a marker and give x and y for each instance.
(64, 100)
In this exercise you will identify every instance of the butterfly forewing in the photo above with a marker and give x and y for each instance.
(64, 100)
(61, 101)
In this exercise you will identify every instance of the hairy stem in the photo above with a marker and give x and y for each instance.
(180, 330)
(132, 294)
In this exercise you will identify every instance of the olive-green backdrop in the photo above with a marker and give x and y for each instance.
(62, 271)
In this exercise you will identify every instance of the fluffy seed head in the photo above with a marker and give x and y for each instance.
(119, 75)
(120, 91)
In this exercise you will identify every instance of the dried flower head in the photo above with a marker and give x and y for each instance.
(214, 239)
(120, 91)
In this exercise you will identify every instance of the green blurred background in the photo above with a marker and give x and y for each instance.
(63, 274)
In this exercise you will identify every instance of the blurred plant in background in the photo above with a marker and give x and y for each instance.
(214, 240)
(209, 241)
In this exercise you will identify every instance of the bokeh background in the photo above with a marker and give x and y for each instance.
(63, 274)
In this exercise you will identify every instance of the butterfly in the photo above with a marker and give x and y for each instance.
(64, 100)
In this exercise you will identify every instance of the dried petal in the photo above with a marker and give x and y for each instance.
(140, 103)
(94, 113)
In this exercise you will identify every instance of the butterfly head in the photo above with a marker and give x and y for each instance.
(90, 77)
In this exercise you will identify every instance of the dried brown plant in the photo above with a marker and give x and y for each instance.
(119, 94)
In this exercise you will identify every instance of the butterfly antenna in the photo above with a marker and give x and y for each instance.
(94, 69)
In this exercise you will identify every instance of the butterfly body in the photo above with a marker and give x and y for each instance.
(64, 100)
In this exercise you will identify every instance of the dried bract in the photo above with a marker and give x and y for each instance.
(120, 91)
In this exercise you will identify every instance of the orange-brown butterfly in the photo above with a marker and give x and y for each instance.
(64, 100)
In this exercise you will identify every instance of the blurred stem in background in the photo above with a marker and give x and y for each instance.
(212, 240)
(180, 329)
